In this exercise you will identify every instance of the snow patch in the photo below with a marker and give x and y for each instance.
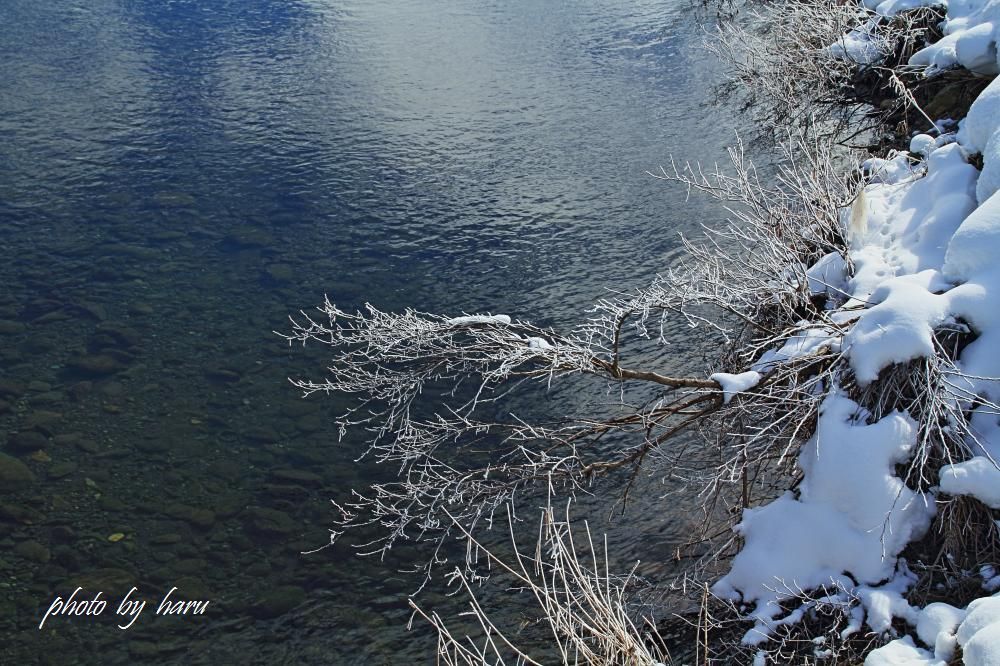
(479, 319)
(733, 384)
(978, 477)
(901, 652)
(538, 343)
(852, 516)
(979, 634)
(898, 328)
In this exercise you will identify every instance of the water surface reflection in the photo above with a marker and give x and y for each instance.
(178, 176)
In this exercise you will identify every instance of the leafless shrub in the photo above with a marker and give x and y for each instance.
(747, 282)
(390, 361)
(585, 606)
(754, 272)
(788, 66)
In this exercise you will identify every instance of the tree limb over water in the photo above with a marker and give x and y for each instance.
(433, 391)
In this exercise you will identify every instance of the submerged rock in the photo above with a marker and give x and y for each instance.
(14, 474)
(11, 388)
(247, 237)
(97, 364)
(20, 514)
(297, 476)
(33, 552)
(61, 470)
(270, 522)
(279, 273)
(278, 601)
(11, 327)
(109, 580)
(42, 420)
(190, 514)
(26, 442)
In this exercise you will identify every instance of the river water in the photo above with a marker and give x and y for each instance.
(177, 176)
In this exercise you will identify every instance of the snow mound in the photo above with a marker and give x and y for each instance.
(924, 256)
(978, 477)
(538, 343)
(852, 516)
(970, 39)
(828, 275)
(898, 328)
(973, 246)
(861, 46)
(902, 652)
(979, 634)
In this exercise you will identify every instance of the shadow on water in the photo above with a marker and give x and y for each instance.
(176, 177)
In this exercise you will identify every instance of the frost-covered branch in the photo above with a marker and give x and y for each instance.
(431, 390)
(825, 67)
(434, 393)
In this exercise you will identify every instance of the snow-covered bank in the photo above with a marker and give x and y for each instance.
(923, 261)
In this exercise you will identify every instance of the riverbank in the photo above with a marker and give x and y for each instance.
(886, 544)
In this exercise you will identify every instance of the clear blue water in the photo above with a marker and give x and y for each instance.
(178, 176)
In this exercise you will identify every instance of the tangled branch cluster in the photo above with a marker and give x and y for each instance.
(470, 364)
(793, 73)
(585, 606)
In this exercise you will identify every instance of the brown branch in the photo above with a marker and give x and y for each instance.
(655, 377)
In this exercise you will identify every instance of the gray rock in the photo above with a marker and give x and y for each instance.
(263, 434)
(123, 335)
(247, 237)
(27, 442)
(21, 514)
(8, 327)
(311, 423)
(61, 470)
(66, 557)
(62, 534)
(166, 539)
(152, 445)
(14, 474)
(97, 364)
(280, 273)
(140, 309)
(278, 601)
(270, 522)
(191, 514)
(11, 388)
(110, 504)
(297, 476)
(188, 566)
(193, 588)
(33, 552)
(42, 420)
(110, 580)
(222, 375)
